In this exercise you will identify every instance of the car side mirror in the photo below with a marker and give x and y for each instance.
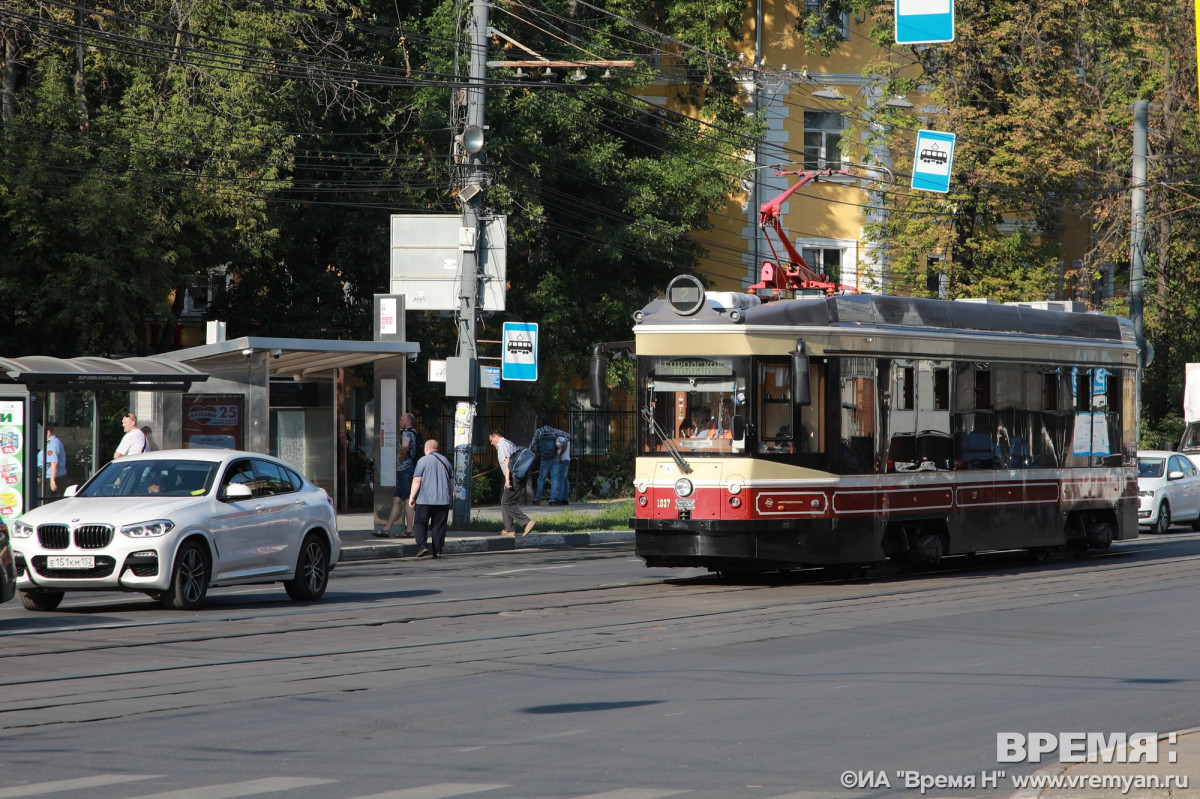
(70, 491)
(236, 491)
(1175, 476)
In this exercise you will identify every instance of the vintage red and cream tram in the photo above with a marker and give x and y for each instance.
(856, 429)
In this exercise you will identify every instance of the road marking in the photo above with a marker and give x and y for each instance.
(530, 569)
(233, 790)
(72, 785)
(634, 793)
(440, 791)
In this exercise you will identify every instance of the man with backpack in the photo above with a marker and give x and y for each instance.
(507, 454)
(406, 463)
(545, 443)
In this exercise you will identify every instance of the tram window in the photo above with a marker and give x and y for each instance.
(902, 397)
(941, 389)
(774, 422)
(1050, 391)
(983, 389)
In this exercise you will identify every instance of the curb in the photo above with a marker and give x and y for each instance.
(491, 543)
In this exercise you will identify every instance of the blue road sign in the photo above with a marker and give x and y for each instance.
(933, 160)
(519, 359)
(924, 21)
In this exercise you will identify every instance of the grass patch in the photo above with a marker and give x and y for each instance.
(614, 517)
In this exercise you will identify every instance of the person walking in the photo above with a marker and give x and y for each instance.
(52, 465)
(545, 444)
(512, 515)
(432, 489)
(562, 467)
(406, 464)
(134, 440)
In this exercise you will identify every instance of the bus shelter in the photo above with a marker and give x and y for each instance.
(82, 400)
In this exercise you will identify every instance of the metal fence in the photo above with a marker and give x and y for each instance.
(593, 433)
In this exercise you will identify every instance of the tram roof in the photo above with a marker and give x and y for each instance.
(879, 310)
(44, 373)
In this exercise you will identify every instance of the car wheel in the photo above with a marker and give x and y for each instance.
(312, 570)
(1164, 518)
(40, 600)
(189, 579)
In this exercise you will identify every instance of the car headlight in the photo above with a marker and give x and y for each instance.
(21, 529)
(1144, 494)
(153, 529)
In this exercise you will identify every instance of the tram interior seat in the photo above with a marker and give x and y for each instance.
(975, 451)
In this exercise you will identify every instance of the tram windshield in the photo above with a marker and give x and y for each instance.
(698, 403)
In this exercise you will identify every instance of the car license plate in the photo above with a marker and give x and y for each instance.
(71, 562)
(685, 504)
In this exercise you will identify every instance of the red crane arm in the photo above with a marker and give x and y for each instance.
(797, 274)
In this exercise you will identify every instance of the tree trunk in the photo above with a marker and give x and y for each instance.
(8, 78)
(80, 84)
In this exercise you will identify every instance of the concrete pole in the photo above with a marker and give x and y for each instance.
(473, 249)
(1137, 234)
(1137, 227)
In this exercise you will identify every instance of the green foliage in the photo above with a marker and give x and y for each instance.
(1162, 433)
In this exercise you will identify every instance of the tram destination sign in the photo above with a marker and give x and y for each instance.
(693, 367)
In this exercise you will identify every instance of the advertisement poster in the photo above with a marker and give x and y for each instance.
(12, 458)
(213, 421)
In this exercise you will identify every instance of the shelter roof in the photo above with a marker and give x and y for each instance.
(44, 373)
(297, 356)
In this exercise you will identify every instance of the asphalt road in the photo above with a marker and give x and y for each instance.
(580, 673)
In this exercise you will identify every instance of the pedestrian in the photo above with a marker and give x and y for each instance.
(432, 488)
(52, 465)
(134, 440)
(544, 443)
(406, 464)
(562, 467)
(512, 515)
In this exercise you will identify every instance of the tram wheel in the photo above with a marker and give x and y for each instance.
(1101, 535)
(847, 571)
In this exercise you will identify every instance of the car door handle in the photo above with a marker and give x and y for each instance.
(259, 508)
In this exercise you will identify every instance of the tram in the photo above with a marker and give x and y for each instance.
(849, 430)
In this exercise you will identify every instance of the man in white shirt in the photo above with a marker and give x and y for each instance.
(512, 515)
(134, 440)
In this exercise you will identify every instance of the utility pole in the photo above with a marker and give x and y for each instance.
(1137, 225)
(470, 195)
(1137, 235)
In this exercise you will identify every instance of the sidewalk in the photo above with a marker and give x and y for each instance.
(359, 544)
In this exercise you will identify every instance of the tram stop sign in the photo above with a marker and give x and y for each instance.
(519, 358)
(933, 160)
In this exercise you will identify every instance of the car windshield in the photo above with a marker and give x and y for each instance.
(152, 478)
(1151, 467)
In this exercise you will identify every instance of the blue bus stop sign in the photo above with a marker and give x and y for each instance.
(520, 344)
(924, 21)
(933, 160)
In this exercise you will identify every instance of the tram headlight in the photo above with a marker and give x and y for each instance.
(642, 500)
(735, 486)
(684, 487)
(735, 502)
(641, 484)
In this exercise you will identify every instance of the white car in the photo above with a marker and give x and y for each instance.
(174, 523)
(1168, 490)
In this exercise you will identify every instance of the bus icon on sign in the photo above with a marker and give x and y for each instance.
(934, 155)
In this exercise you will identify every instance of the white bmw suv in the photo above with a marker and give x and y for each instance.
(174, 523)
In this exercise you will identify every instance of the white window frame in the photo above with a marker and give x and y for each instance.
(818, 156)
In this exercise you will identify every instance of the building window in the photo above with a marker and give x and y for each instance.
(936, 281)
(822, 139)
(824, 17)
(824, 261)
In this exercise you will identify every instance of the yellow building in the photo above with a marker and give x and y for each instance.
(816, 108)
